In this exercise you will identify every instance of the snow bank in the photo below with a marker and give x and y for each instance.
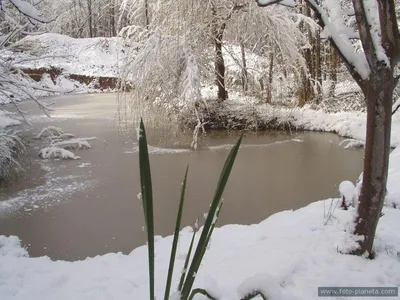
(347, 124)
(51, 63)
(246, 112)
(287, 256)
(90, 57)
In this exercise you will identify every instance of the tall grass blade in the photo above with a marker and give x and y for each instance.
(176, 237)
(212, 229)
(147, 200)
(187, 261)
(194, 266)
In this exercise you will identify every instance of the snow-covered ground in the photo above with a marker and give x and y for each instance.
(90, 56)
(62, 64)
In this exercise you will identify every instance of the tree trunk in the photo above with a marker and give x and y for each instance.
(244, 67)
(333, 62)
(220, 69)
(378, 92)
(112, 19)
(317, 66)
(270, 77)
(90, 21)
(146, 13)
(306, 92)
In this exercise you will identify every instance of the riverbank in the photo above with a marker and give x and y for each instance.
(288, 256)
(248, 114)
(50, 64)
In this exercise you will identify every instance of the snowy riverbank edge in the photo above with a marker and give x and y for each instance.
(237, 113)
(288, 256)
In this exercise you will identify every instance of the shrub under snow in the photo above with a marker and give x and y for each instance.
(59, 142)
(11, 155)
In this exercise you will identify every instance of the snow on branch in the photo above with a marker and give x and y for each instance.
(28, 10)
(396, 106)
(52, 131)
(60, 142)
(331, 18)
(372, 14)
(79, 143)
(289, 3)
(342, 35)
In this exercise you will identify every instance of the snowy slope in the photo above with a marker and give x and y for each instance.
(90, 57)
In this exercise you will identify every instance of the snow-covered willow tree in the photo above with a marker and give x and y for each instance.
(180, 47)
(276, 34)
(163, 71)
(375, 68)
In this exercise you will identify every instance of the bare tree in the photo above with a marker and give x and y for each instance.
(373, 70)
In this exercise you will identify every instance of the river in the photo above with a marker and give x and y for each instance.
(72, 209)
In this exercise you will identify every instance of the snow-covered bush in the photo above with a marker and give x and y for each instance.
(60, 142)
(12, 155)
(56, 152)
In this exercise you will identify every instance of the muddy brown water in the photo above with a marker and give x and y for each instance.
(74, 209)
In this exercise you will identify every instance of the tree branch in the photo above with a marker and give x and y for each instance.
(365, 33)
(264, 3)
(30, 16)
(396, 109)
(390, 30)
(321, 22)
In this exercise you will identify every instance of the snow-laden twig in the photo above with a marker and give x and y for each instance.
(50, 131)
(56, 152)
(28, 10)
(78, 143)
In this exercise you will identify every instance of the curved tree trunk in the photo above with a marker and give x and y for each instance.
(378, 93)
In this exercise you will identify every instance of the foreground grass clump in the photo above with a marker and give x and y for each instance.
(185, 289)
(12, 156)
